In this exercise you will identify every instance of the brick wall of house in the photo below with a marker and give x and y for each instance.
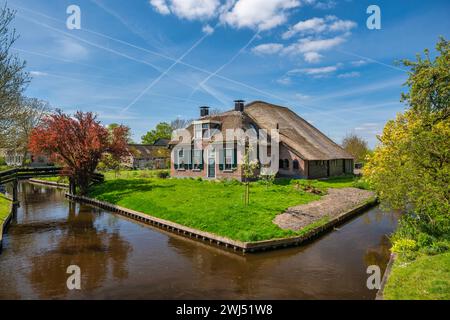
(287, 154)
(220, 174)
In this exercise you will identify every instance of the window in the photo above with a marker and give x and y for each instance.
(198, 131)
(228, 158)
(205, 130)
(281, 164)
(286, 163)
(197, 159)
(295, 164)
(180, 158)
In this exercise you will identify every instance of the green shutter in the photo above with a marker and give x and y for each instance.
(221, 158)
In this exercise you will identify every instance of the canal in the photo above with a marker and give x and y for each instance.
(122, 259)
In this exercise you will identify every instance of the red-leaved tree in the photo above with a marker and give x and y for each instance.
(78, 143)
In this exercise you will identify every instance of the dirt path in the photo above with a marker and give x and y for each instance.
(336, 202)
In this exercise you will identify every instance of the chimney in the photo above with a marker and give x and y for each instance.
(239, 105)
(204, 111)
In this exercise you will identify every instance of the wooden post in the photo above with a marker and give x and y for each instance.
(15, 191)
(72, 186)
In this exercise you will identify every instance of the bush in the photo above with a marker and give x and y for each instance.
(2, 161)
(404, 245)
(361, 184)
(163, 174)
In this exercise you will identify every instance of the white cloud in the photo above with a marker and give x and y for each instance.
(313, 25)
(259, 14)
(324, 5)
(359, 63)
(160, 6)
(187, 9)
(315, 71)
(308, 47)
(342, 25)
(353, 74)
(301, 96)
(313, 45)
(284, 80)
(316, 25)
(38, 73)
(268, 48)
(208, 29)
(312, 57)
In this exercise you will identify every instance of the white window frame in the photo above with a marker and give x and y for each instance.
(226, 151)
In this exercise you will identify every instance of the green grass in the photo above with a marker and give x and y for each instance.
(211, 206)
(5, 208)
(427, 277)
(58, 179)
(130, 174)
(112, 175)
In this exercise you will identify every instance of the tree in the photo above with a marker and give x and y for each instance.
(13, 78)
(179, 123)
(113, 126)
(356, 146)
(79, 143)
(163, 130)
(29, 116)
(410, 167)
(215, 111)
(249, 168)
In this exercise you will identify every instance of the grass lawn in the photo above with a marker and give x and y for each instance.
(427, 277)
(5, 207)
(212, 206)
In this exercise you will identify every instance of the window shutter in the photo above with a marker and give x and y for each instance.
(234, 158)
(221, 158)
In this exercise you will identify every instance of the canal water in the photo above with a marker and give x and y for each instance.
(122, 259)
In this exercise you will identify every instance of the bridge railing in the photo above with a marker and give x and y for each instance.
(27, 173)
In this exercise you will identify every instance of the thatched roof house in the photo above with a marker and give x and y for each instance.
(148, 156)
(304, 151)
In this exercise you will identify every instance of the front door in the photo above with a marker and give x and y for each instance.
(212, 163)
(211, 168)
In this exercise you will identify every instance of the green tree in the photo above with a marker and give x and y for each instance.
(249, 168)
(13, 78)
(410, 168)
(356, 146)
(163, 130)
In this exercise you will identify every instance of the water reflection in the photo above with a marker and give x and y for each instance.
(123, 259)
(78, 238)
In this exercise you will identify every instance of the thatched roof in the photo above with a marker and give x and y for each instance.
(144, 151)
(295, 132)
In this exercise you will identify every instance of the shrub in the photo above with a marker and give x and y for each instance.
(163, 174)
(404, 245)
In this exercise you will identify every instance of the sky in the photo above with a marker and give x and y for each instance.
(142, 62)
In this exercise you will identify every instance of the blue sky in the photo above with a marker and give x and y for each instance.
(141, 62)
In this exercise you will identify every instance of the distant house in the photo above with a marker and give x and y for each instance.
(304, 151)
(15, 158)
(149, 156)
